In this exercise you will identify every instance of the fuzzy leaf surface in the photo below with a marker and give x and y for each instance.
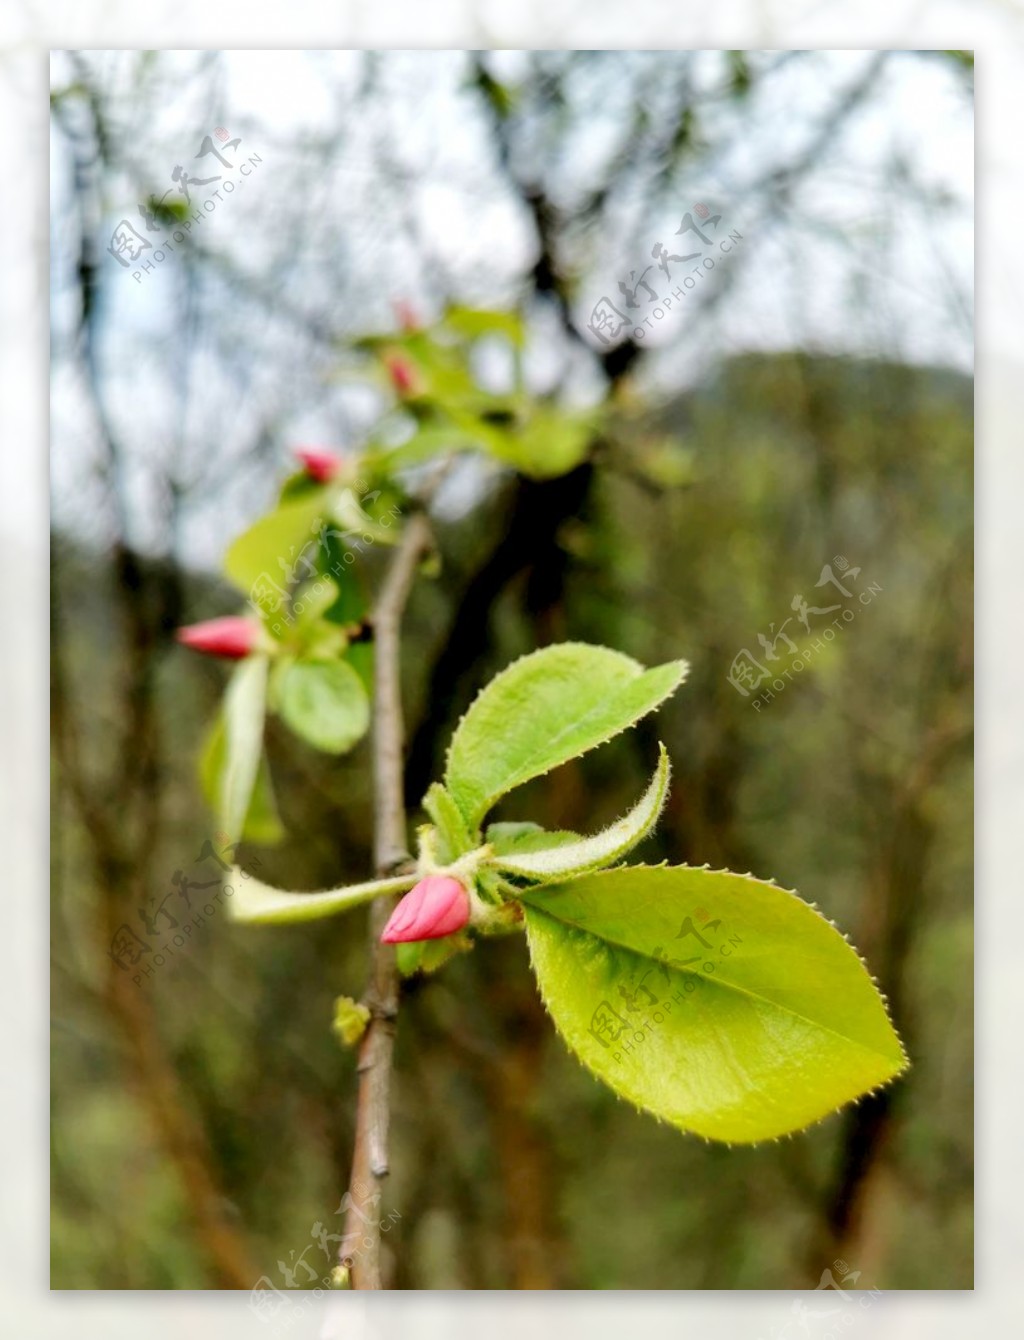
(567, 860)
(254, 902)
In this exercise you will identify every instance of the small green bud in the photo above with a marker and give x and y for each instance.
(350, 1020)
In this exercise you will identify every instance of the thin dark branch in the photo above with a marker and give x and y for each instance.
(359, 1251)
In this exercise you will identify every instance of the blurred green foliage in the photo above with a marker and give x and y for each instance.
(683, 531)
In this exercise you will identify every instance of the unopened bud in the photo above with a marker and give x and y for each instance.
(438, 905)
(406, 315)
(403, 374)
(350, 1020)
(321, 464)
(233, 637)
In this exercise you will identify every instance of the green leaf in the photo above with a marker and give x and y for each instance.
(409, 956)
(454, 837)
(314, 599)
(244, 710)
(511, 838)
(567, 860)
(262, 821)
(325, 703)
(348, 512)
(281, 534)
(351, 603)
(258, 903)
(360, 657)
(720, 1003)
(431, 440)
(299, 484)
(550, 443)
(429, 955)
(473, 322)
(543, 710)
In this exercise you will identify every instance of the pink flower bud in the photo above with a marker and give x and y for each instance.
(321, 464)
(233, 636)
(436, 906)
(403, 374)
(406, 315)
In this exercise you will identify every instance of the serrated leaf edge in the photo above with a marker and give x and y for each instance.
(713, 1140)
(474, 820)
(686, 1130)
(528, 896)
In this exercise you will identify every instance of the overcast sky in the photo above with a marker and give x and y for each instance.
(354, 203)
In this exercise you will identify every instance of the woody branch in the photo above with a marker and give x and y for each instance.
(359, 1251)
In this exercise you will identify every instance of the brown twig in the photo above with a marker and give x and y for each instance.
(359, 1251)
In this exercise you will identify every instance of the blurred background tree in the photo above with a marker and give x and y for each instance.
(809, 400)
